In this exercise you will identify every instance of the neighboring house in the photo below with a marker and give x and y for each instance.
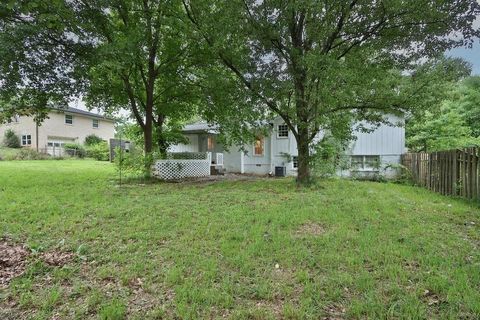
(369, 152)
(62, 126)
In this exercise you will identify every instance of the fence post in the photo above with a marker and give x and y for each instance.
(474, 173)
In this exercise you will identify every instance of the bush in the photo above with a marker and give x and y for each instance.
(134, 164)
(75, 150)
(92, 140)
(30, 154)
(403, 173)
(328, 157)
(98, 151)
(11, 140)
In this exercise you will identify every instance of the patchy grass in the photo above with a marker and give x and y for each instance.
(235, 249)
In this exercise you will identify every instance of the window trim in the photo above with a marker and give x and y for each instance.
(278, 131)
(295, 161)
(93, 123)
(26, 141)
(65, 119)
(262, 140)
(363, 167)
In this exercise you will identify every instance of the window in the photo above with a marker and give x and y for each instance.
(68, 119)
(210, 144)
(295, 161)
(258, 146)
(95, 123)
(26, 140)
(282, 131)
(55, 144)
(365, 163)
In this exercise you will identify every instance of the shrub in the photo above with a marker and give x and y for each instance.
(30, 154)
(134, 164)
(11, 140)
(98, 151)
(75, 150)
(92, 140)
(403, 173)
(329, 156)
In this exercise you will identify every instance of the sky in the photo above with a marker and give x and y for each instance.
(471, 55)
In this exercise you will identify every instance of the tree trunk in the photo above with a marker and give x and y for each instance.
(161, 142)
(303, 136)
(148, 130)
(147, 133)
(162, 146)
(303, 173)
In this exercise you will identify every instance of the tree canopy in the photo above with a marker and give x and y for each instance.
(321, 65)
(40, 60)
(452, 123)
(117, 54)
(142, 64)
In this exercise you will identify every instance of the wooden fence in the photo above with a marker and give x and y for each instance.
(453, 172)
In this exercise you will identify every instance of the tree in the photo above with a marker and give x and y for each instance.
(321, 65)
(11, 140)
(117, 54)
(92, 139)
(453, 123)
(467, 103)
(141, 64)
(439, 131)
(39, 60)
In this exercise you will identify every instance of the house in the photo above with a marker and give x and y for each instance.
(62, 126)
(370, 153)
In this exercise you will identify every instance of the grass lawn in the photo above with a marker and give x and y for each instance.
(236, 249)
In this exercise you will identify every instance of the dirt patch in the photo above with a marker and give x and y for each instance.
(57, 258)
(13, 260)
(334, 312)
(431, 298)
(310, 229)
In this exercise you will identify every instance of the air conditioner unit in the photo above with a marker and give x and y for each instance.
(280, 171)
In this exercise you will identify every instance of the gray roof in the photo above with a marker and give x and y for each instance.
(198, 127)
(84, 113)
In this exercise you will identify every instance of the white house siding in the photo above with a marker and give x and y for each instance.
(233, 160)
(190, 146)
(385, 140)
(24, 126)
(282, 146)
(54, 129)
(258, 164)
(388, 142)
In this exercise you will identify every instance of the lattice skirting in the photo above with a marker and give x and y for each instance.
(180, 169)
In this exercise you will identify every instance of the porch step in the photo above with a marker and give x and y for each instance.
(217, 170)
